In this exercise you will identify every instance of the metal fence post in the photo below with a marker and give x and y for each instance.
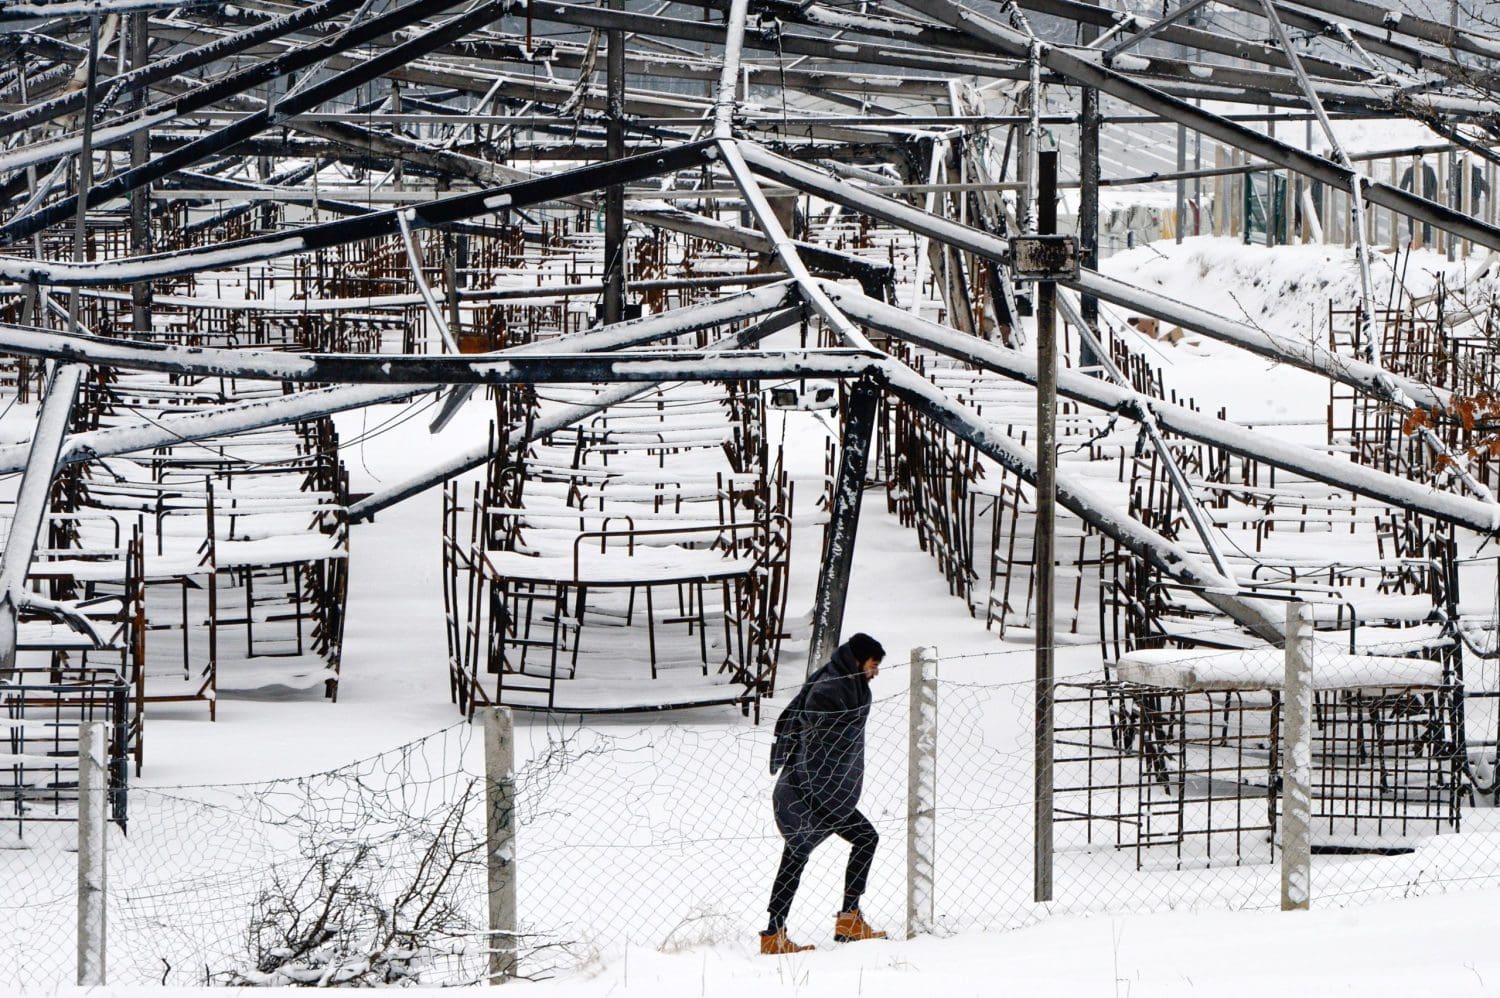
(921, 794)
(93, 798)
(500, 841)
(1296, 761)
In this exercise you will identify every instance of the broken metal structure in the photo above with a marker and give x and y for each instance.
(264, 214)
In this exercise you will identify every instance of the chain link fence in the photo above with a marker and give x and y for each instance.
(1167, 791)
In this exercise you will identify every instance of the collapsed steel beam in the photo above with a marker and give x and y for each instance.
(1189, 37)
(31, 505)
(1407, 23)
(1358, 374)
(190, 427)
(425, 369)
(1393, 490)
(241, 417)
(1303, 354)
(551, 422)
(30, 10)
(1097, 511)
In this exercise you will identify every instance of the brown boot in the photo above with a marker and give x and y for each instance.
(851, 927)
(777, 944)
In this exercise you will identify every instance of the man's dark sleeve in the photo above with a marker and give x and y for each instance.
(788, 730)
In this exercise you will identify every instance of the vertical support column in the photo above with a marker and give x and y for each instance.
(614, 197)
(93, 820)
(1395, 219)
(1465, 170)
(451, 279)
(1296, 761)
(399, 168)
(1088, 211)
(140, 199)
(1181, 186)
(1221, 197)
(838, 556)
(1236, 204)
(1046, 504)
(500, 841)
(921, 795)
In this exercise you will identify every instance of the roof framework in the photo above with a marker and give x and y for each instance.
(118, 112)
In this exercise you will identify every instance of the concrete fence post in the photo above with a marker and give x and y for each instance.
(500, 841)
(1296, 761)
(921, 794)
(93, 798)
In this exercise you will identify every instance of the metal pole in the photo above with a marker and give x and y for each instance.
(1033, 138)
(140, 200)
(614, 196)
(1181, 190)
(838, 556)
(93, 796)
(1088, 205)
(83, 169)
(1296, 761)
(921, 794)
(500, 841)
(1046, 500)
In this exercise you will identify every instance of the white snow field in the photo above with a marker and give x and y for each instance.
(647, 850)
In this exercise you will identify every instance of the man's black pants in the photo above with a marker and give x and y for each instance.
(804, 833)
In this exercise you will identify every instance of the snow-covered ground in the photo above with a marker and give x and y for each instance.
(1440, 945)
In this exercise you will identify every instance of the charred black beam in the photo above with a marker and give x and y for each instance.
(843, 523)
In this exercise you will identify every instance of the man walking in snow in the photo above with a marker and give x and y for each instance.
(820, 751)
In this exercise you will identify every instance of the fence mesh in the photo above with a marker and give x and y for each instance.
(1167, 786)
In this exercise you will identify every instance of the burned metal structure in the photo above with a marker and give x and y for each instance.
(619, 223)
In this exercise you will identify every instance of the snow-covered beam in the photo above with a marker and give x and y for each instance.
(551, 421)
(30, 10)
(1338, 472)
(786, 251)
(1404, 22)
(868, 272)
(572, 356)
(255, 414)
(241, 417)
(1304, 354)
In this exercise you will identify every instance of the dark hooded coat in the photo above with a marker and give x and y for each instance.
(820, 747)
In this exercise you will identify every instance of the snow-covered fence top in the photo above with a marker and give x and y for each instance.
(1204, 669)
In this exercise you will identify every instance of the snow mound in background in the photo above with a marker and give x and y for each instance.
(1287, 289)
